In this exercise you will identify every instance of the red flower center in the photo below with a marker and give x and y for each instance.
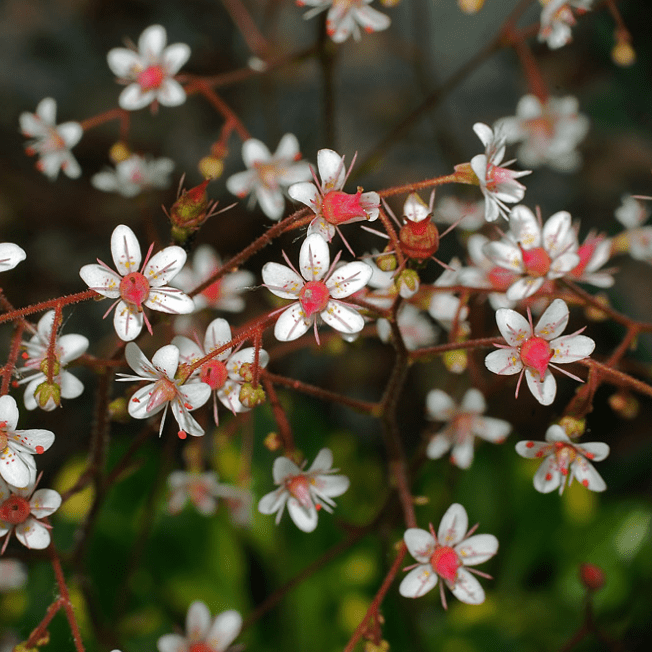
(536, 354)
(151, 78)
(200, 647)
(314, 297)
(445, 562)
(14, 510)
(214, 291)
(213, 373)
(339, 207)
(501, 278)
(299, 487)
(536, 261)
(134, 289)
(164, 390)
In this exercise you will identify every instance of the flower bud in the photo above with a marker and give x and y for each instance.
(247, 372)
(119, 152)
(211, 167)
(273, 442)
(251, 396)
(592, 576)
(48, 395)
(456, 361)
(191, 207)
(368, 646)
(470, 6)
(419, 240)
(387, 261)
(624, 405)
(622, 53)
(408, 283)
(573, 426)
(118, 410)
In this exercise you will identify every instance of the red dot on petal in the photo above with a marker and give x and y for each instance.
(589, 456)
(548, 477)
(39, 449)
(539, 454)
(24, 355)
(188, 406)
(317, 506)
(585, 482)
(530, 444)
(182, 434)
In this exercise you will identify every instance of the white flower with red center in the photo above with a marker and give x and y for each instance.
(346, 17)
(201, 489)
(549, 132)
(557, 19)
(316, 297)
(268, 175)
(149, 72)
(226, 372)
(536, 254)
(305, 492)
(564, 460)
(203, 634)
(632, 214)
(533, 351)
(67, 348)
(21, 511)
(332, 206)
(135, 289)
(593, 253)
(498, 184)
(17, 447)
(166, 390)
(447, 555)
(51, 142)
(465, 423)
(10, 255)
(134, 175)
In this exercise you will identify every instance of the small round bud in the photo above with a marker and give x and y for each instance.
(45, 367)
(573, 426)
(408, 283)
(592, 576)
(119, 152)
(118, 410)
(387, 262)
(624, 405)
(251, 396)
(273, 442)
(623, 54)
(48, 395)
(211, 167)
(456, 361)
(421, 500)
(369, 646)
(247, 372)
(470, 6)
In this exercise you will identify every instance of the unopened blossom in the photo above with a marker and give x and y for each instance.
(557, 19)
(464, 423)
(416, 329)
(50, 141)
(203, 633)
(21, 511)
(149, 71)
(17, 447)
(448, 555)
(166, 390)
(135, 175)
(633, 214)
(419, 237)
(10, 255)
(534, 253)
(226, 372)
(549, 132)
(135, 289)
(330, 204)
(13, 575)
(304, 492)
(469, 215)
(533, 351)
(498, 184)
(564, 460)
(316, 297)
(269, 175)
(39, 392)
(346, 17)
(200, 489)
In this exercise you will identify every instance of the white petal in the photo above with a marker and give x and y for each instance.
(71, 387)
(152, 42)
(553, 321)
(224, 630)
(174, 57)
(524, 226)
(467, 589)
(10, 255)
(170, 300)
(138, 362)
(164, 266)
(314, 258)
(306, 193)
(218, 333)
(558, 234)
(490, 429)
(133, 98)
(331, 169)
(101, 279)
(271, 201)
(462, 453)
(532, 449)
(473, 402)
(33, 441)
(453, 526)
(305, 520)
(438, 446)
(124, 62)
(323, 462)
(125, 250)
(9, 411)
(138, 403)
(273, 501)
(547, 478)
(127, 321)
(33, 535)
(595, 451)
(342, 317)
(44, 502)
(292, 323)
(184, 419)
(194, 395)
(71, 346)
(331, 486)
(370, 19)
(172, 643)
(483, 132)
(505, 362)
(586, 474)
(254, 151)
(241, 183)
(198, 621)
(70, 133)
(571, 348)
(418, 582)
(288, 148)
(543, 390)
(171, 93)
(282, 281)
(440, 406)
(477, 549)
(166, 360)
(524, 287)
(16, 469)
(513, 326)
(420, 544)
(282, 468)
(245, 356)
(348, 279)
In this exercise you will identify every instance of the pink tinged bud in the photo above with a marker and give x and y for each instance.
(134, 289)
(164, 390)
(151, 78)
(339, 207)
(298, 487)
(445, 562)
(536, 261)
(419, 240)
(214, 374)
(314, 297)
(536, 354)
(14, 510)
(592, 576)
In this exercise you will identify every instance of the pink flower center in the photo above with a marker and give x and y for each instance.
(134, 289)
(213, 373)
(164, 390)
(214, 291)
(339, 207)
(14, 510)
(536, 261)
(151, 78)
(462, 425)
(585, 252)
(314, 297)
(200, 647)
(536, 354)
(299, 487)
(268, 173)
(445, 562)
(501, 278)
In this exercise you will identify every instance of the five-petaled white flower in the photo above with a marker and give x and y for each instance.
(557, 19)
(632, 214)
(166, 390)
(465, 423)
(17, 447)
(498, 184)
(332, 206)
(226, 372)
(134, 175)
(564, 459)
(134, 289)
(549, 132)
(51, 142)
(10, 255)
(315, 296)
(203, 634)
(532, 351)
(447, 554)
(21, 509)
(66, 349)
(534, 253)
(305, 492)
(267, 174)
(201, 489)
(149, 72)
(345, 17)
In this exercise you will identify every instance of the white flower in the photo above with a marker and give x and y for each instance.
(267, 174)
(166, 390)
(226, 372)
(202, 633)
(563, 459)
(13, 575)
(200, 489)
(557, 19)
(10, 255)
(346, 17)
(149, 72)
(593, 253)
(21, 509)
(66, 349)
(632, 214)
(464, 424)
(51, 142)
(498, 185)
(315, 296)
(416, 329)
(305, 492)
(447, 554)
(332, 206)
(135, 174)
(17, 447)
(532, 351)
(468, 214)
(536, 254)
(134, 289)
(549, 131)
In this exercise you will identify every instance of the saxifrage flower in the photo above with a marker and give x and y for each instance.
(134, 175)
(10, 255)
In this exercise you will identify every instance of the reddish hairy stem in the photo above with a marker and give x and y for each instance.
(107, 116)
(420, 185)
(481, 343)
(46, 305)
(10, 365)
(618, 377)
